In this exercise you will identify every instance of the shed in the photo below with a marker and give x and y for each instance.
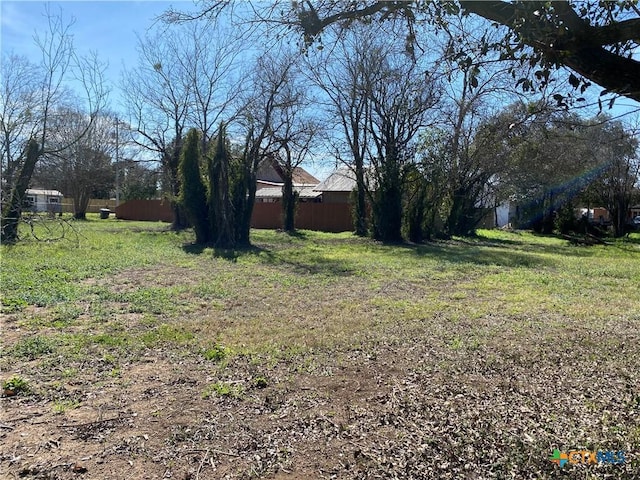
(39, 200)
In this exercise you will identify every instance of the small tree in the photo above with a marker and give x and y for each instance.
(221, 209)
(193, 194)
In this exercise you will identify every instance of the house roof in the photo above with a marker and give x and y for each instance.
(304, 191)
(342, 180)
(271, 171)
(38, 191)
(300, 175)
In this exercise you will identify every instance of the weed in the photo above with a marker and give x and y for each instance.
(69, 372)
(65, 314)
(31, 348)
(223, 389)
(109, 358)
(217, 353)
(166, 334)
(61, 406)
(15, 385)
(13, 304)
(260, 382)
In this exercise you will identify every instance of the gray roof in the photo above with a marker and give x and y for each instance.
(304, 191)
(342, 180)
(38, 191)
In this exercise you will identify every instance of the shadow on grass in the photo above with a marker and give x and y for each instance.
(460, 252)
(231, 254)
(301, 253)
(306, 263)
(299, 234)
(565, 247)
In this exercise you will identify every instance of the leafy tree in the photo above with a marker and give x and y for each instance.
(620, 171)
(139, 182)
(553, 160)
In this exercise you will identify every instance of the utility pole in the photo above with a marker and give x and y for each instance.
(117, 164)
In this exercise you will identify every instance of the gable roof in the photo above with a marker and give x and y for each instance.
(301, 176)
(270, 170)
(341, 180)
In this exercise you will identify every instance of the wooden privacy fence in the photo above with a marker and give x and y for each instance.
(145, 210)
(94, 205)
(326, 217)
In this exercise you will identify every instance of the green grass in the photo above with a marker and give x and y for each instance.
(474, 330)
(357, 288)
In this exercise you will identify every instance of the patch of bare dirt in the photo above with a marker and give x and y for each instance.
(392, 411)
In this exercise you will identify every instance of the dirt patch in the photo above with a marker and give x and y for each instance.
(403, 412)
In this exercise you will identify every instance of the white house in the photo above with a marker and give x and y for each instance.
(38, 200)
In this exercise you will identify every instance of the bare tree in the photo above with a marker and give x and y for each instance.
(79, 166)
(341, 74)
(476, 82)
(18, 103)
(401, 94)
(184, 79)
(262, 100)
(58, 67)
(292, 131)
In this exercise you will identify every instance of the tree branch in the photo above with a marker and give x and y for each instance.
(580, 50)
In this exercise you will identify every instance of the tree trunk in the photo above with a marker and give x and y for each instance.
(80, 205)
(361, 201)
(180, 221)
(13, 210)
(288, 204)
(387, 205)
(618, 215)
(244, 216)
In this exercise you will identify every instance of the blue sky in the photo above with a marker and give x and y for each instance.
(109, 28)
(106, 27)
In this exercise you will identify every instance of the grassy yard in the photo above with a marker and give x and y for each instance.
(139, 355)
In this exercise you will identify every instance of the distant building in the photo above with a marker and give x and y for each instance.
(270, 179)
(337, 187)
(37, 200)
